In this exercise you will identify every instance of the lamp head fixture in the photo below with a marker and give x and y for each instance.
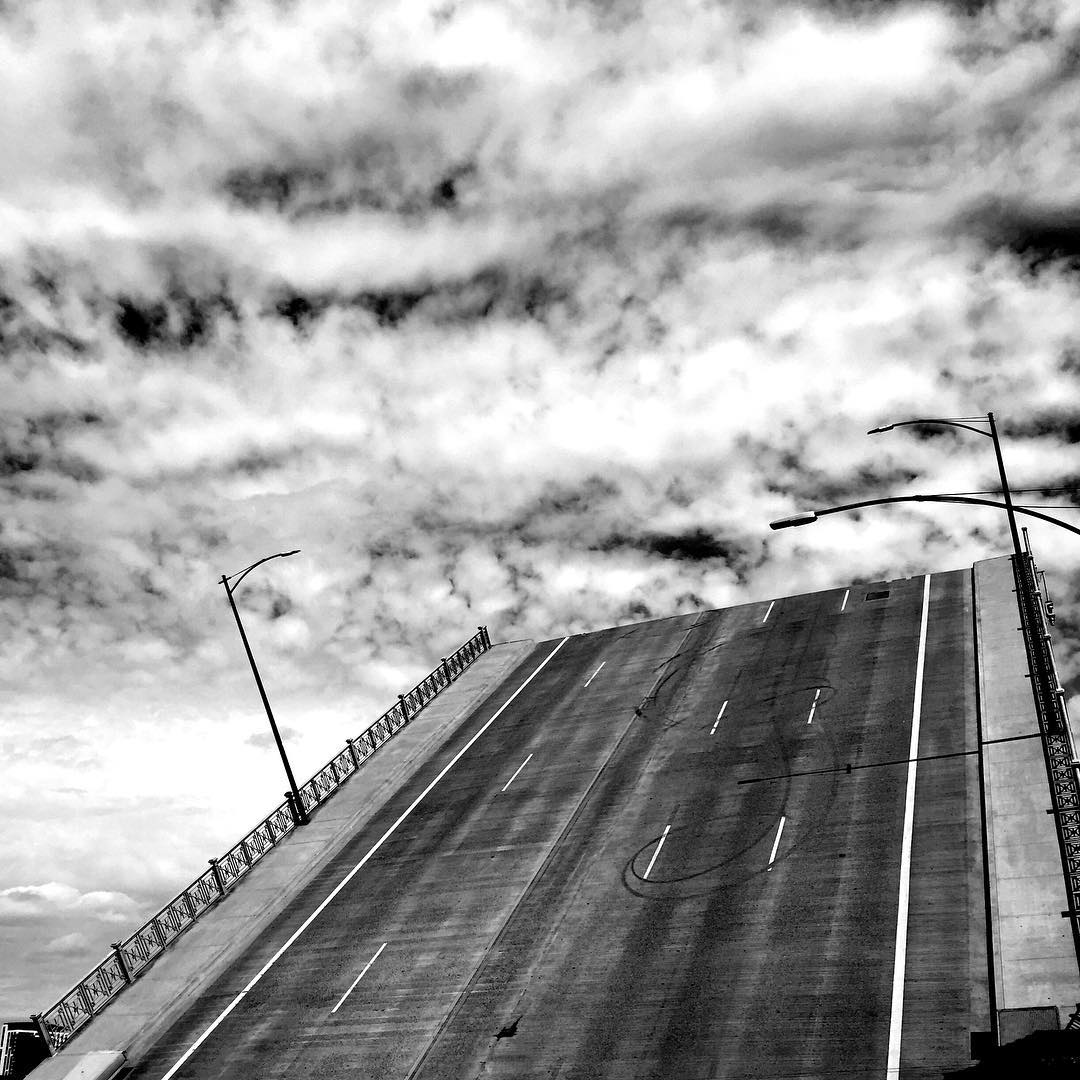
(806, 518)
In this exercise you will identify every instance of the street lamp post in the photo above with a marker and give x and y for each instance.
(299, 813)
(1063, 767)
(1018, 551)
(1044, 684)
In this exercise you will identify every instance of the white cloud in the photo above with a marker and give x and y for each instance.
(25, 902)
(75, 944)
(503, 314)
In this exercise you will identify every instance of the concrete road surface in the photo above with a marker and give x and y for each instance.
(645, 855)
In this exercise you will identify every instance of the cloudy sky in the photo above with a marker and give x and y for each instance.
(530, 313)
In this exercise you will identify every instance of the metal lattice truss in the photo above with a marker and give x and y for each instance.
(1058, 746)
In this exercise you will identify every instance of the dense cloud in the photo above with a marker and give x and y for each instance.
(524, 314)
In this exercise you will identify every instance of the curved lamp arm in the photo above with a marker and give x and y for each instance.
(928, 420)
(993, 436)
(240, 575)
(808, 517)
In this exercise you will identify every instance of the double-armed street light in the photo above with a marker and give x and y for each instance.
(1041, 667)
(298, 811)
(1062, 763)
(808, 517)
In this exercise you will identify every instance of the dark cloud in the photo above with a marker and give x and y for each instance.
(1038, 235)
(387, 307)
(876, 8)
(22, 332)
(371, 179)
(493, 292)
(301, 310)
(534, 319)
(272, 187)
(693, 546)
(1059, 423)
(38, 444)
(390, 306)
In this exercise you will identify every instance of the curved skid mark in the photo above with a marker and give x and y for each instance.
(803, 839)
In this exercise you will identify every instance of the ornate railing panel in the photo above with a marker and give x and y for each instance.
(134, 954)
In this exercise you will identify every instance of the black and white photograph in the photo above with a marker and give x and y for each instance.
(539, 539)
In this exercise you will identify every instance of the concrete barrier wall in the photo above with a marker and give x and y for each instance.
(1035, 967)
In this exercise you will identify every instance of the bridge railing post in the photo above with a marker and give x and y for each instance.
(43, 1031)
(219, 881)
(121, 961)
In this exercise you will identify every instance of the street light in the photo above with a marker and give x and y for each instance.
(992, 434)
(299, 813)
(1044, 683)
(1049, 695)
(808, 517)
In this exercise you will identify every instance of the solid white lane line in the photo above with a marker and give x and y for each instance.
(596, 672)
(810, 718)
(769, 612)
(844, 604)
(648, 869)
(514, 777)
(352, 873)
(776, 842)
(892, 1070)
(718, 715)
(357, 979)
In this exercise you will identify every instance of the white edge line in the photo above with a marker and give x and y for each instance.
(596, 672)
(769, 612)
(844, 604)
(357, 980)
(352, 873)
(776, 842)
(516, 771)
(892, 1071)
(648, 869)
(718, 715)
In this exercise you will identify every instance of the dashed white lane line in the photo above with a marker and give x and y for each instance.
(718, 715)
(844, 604)
(776, 842)
(354, 871)
(769, 612)
(357, 979)
(516, 771)
(817, 694)
(596, 672)
(892, 1070)
(648, 869)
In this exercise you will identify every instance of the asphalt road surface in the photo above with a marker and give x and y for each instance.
(645, 856)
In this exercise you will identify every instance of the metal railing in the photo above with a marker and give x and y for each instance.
(1058, 749)
(132, 956)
